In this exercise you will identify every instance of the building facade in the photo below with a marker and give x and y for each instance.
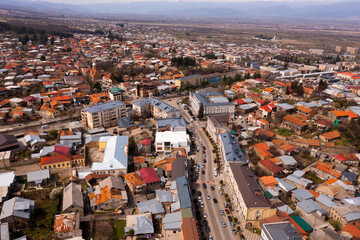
(155, 107)
(214, 103)
(247, 196)
(103, 115)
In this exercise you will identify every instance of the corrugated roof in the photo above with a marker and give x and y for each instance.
(72, 196)
(103, 107)
(64, 223)
(301, 222)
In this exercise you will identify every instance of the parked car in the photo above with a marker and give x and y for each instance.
(202, 205)
(223, 223)
(207, 229)
(204, 185)
(203, 172)
(215, 200)
(212, 188)
(204, 215)
(230, 218)
(221, 212)
(232, 224)
(234, 232)
(199, 193)
(227, 211)
(208, 197)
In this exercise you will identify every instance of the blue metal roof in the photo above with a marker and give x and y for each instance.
(183, 192)
(103, 107)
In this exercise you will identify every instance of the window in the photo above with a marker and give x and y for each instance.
(54, 166)
(67, 164)
(63, 164)
(44, 167)
(58, 165)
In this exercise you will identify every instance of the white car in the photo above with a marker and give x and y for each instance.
(204, 215)
(215, 174)
(208, 197)
(201, 205)
(199, 198)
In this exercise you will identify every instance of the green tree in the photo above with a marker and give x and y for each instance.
(97, 86)
(201, 111)
(287, 91)
(322, 85)
(211, 56)
(53, 134)
(286, 65)
(336, 225)
(133, 149)
(116, 78)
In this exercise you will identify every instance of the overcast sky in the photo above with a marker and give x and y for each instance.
(107, 1)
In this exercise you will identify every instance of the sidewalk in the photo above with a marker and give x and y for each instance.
(236, 214)
(250, 235)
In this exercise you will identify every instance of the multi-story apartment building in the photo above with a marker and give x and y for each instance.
(214, 103)
(217, 125)
(230, 151)
(166, 141)
(103, 115)
(247, 196)
(316, 51)
(157, 108)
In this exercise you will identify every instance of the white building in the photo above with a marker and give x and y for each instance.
(166, 141)
(115, 158)
(214, 103)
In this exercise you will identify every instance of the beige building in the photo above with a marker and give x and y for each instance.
(345, 214)
(194, 80)
(217, 125)
(247, 196)
(316, 51)
(155, 107)
(352, 50)
(103, 115)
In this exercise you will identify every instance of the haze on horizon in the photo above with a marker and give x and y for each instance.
(129, 1)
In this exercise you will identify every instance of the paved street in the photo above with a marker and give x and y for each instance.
(211, 209)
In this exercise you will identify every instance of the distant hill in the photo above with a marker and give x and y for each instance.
(263, 9)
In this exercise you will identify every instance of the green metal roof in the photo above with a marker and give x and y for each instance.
(233, 132)
(116, 89)
(268, 195)
(301, 222)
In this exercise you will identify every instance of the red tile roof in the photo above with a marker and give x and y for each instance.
(54, 159)
(271, 166)
(295, 120)
(148, 175)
